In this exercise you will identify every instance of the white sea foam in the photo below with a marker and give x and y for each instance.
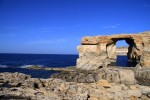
(22, 66)
(4, 66)
(27, 66)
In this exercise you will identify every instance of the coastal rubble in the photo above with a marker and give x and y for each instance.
(18, 85)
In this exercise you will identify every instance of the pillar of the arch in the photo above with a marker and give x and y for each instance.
(111, 51)
(133, 50)
(145, 56)
(91, 56)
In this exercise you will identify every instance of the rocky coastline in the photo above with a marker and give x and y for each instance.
(93, 78)
(104, 84)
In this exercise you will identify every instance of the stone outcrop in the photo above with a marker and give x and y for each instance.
(20, 86)
(115, 75)
(122, 75)
(143, 76)
(97, 51)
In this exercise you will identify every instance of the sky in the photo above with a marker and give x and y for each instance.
(57, 26)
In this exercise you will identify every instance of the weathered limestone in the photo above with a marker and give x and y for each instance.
(143, 76)
(115, 75)
(93, 51)
(56, 89)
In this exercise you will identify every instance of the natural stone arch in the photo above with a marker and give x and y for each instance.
(95, 51)
(132, 49)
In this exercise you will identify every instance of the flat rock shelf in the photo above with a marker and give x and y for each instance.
(21, 86)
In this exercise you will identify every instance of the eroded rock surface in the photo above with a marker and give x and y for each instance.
(57, 89)
(94, 51)
(115, 75)
(143, 76)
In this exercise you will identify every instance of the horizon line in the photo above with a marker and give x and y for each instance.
(39, 53)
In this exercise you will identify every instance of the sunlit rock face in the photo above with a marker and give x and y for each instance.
(96, 51)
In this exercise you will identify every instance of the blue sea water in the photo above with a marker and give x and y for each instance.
(48, 60)
(19, 63)
(122, 61)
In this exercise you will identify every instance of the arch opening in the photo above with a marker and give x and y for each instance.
(127, 56)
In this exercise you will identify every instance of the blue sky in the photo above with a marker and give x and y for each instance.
(57, 26)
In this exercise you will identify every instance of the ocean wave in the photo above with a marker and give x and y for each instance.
(22, 66)
(4, 66)
(27, 66)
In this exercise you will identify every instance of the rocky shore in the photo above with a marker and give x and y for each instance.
(103, 84)
(93, 78)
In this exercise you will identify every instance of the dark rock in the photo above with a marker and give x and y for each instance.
(10, 97)
(143, 76)
(76, 76)
(116, 75)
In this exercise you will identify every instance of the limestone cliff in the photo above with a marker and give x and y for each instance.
(96, 51)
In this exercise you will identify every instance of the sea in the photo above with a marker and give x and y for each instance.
(20, 63)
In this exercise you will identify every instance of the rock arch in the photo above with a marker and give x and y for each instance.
(132, 49)
(97, 50)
